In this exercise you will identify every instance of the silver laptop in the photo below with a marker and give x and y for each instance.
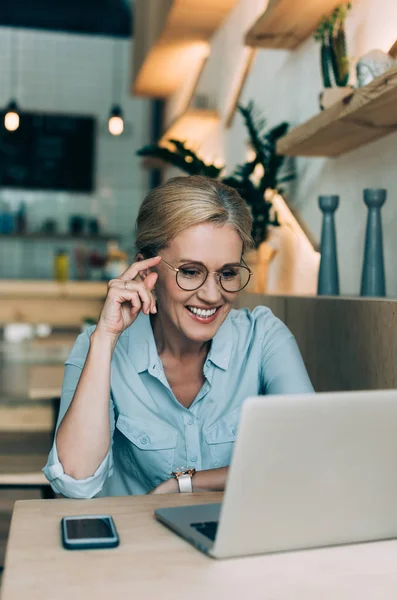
(307, 471)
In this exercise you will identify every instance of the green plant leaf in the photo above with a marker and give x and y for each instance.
(264, 144)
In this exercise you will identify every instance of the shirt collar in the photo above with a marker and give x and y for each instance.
(142, 346)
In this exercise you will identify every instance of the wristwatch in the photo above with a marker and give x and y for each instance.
(184, 475)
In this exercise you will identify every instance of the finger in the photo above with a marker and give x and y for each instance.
(119, 293)
(145, 297)
(147, 285)
(139, 266)
(150, 281)
(136, 304)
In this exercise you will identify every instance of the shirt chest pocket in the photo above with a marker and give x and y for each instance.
(220, 438)
(148, 448)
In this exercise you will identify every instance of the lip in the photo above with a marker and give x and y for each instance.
(203, 321)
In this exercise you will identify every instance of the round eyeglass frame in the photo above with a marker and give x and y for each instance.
(218, 277)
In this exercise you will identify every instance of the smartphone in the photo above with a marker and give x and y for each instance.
(80, 532)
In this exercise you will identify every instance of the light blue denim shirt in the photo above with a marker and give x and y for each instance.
(152, 433)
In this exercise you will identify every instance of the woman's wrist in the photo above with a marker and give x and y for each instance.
(104, 339)
(211, 480)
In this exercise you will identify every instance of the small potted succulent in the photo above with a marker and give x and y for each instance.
(335, 67)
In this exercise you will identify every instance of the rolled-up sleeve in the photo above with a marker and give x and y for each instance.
(60, 482)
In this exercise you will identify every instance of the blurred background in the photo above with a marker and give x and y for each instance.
(66, 183)
(71, 181)
(292, 103)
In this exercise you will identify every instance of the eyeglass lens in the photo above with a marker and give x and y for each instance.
(232, 278)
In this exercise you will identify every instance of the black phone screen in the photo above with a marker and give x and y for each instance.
(88, 528)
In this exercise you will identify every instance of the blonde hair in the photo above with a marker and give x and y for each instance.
(183, 202)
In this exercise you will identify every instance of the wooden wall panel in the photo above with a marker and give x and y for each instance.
(275, 303)
(347, 344)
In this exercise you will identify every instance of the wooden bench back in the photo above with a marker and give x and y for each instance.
(346, 343)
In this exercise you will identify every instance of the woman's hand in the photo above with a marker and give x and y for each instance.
(167, 487)
(127, 296)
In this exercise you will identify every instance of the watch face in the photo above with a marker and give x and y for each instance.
(182, 470)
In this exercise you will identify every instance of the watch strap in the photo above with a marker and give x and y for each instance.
(185, 483)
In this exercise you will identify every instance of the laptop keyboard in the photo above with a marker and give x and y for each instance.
(208, 528)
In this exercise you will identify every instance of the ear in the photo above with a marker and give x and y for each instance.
(145, 273)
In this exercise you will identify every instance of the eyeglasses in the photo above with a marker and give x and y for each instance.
(191, 276)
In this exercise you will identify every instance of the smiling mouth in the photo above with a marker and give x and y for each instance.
(202, 313)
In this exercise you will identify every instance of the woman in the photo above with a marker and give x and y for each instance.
(157, 386)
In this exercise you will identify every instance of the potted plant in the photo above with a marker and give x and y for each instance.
(333, 52)
(255, 180)
(339, 58)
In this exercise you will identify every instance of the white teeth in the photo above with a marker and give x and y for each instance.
(202, 313)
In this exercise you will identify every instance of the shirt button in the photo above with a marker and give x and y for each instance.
(234, 431)
(190, 421)
(144, 440)
(193, 458)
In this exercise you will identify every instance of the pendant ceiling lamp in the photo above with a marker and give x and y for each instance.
(116, 120)
(116, 117)
(11, 117)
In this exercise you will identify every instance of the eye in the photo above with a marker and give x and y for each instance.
(230, 273)
(190, 272)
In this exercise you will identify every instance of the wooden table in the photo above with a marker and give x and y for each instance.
(153, 563)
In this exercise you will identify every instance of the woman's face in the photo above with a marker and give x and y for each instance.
(214, 247)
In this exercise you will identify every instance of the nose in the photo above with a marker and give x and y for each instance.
(210, 291)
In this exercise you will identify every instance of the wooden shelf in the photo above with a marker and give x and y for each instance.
(193, 127)
(62, 237)
(369, 113)
(46, 288)
(170, 36)
(287, 23)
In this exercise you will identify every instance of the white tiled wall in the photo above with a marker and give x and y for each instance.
(73, 74)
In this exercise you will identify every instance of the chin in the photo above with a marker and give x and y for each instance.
(201, 337)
